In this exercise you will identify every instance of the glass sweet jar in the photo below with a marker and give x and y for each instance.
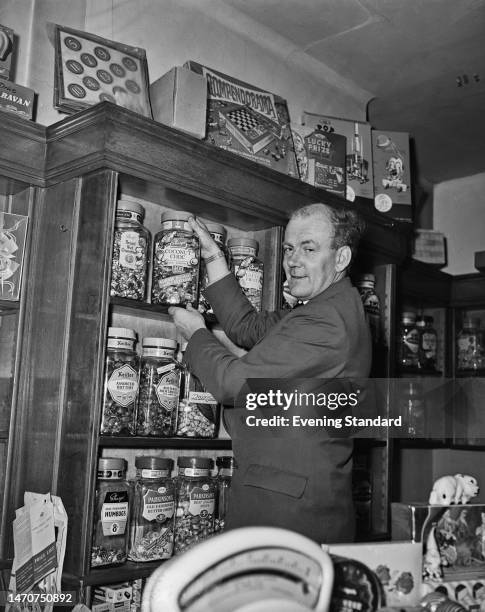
(153, 514)
(131, 248)
(159, 392)
(118, 414)
(111, 513)
(176, 262)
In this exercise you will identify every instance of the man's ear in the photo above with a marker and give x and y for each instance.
(343, 257)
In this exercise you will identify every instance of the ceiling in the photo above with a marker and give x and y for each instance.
(422, 60)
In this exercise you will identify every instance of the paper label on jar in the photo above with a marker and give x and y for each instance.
(168, 391)
(202, 501)
(158, 352)
(193, 472)
(249, 279)
(201, 397)
(166, 368)
(176, 280)
(123, 385)
(129, 243)
(178, 256)
(120, 343)
(158, 506)
(428, 342)
(411, 341)
(114, 513)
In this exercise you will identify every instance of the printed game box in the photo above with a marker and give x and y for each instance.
(7, 49)
(248, 121)
(458, 531)
(358, 156)
(392, 175)
(321, 157)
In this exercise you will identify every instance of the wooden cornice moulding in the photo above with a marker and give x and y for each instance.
(22, 149)
(111, 137)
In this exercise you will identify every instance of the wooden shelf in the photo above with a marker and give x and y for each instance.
(110, 575)
(418, 373)
(7, 307)
(152, 442)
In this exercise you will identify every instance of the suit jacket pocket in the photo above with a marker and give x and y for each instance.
(274, 479)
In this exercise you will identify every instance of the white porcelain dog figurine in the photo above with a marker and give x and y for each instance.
(457, 489)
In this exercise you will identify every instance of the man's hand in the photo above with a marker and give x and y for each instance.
(187, 320)
(208, 246)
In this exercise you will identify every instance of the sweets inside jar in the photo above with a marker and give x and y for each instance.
(176, 262)
(131, 246)
(120, 384)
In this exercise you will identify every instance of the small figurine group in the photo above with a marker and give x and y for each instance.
(457, 489)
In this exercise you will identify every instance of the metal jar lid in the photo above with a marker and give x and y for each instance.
(202, 463)
(175, 215)
(127, 203)
(216, 228)
(153, 463)
(242, 241)
(366, 278)
(159, 343)
(121, 332)
(409, 317)
(112, 463)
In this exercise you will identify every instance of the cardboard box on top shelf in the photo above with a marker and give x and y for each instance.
(179, 99)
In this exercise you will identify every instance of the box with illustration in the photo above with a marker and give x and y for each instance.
(454, 536)
(357, 155)
(248, 121)
(392, 174)
(13, 231)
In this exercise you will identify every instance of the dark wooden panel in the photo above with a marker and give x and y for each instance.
(468, 290)
(40, 363)
(424, 283)
(82, 389)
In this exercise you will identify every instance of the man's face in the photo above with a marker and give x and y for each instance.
(308, 257)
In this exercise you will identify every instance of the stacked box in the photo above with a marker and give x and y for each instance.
(358, 150)
(321, 157)
(179, 99)
(392, 174)
(396, 564)
(248, 121)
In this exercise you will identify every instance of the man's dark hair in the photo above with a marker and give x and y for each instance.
(347, 223)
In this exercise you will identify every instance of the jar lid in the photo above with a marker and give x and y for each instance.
(421, 320)
(111, 463)
(216, 228)
(127, 203)
(226, 462)
(409, 316)
(176, 215)
(159, 343)
(366, 278)
(153, 463)
(243, 241)
(121, 332)
(203, 463)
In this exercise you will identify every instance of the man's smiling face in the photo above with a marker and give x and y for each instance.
(309, 259)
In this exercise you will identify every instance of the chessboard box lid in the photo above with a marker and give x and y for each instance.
(201, 69)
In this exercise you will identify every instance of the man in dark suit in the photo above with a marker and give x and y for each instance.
(302, 482)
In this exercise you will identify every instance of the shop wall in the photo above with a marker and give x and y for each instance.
(173, 31)
(418, 472)
(459, 212)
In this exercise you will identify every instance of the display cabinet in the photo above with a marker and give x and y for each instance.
(89, 161)
(455, 420)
